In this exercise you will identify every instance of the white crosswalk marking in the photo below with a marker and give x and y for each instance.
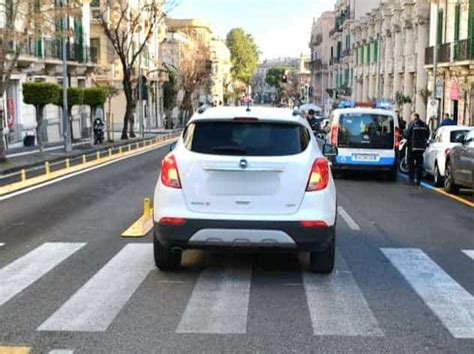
(453, 305)
(23, 272)
(93, 307)
(1, 244)
(219, 302)
(469, 253)
(61, 351)
(337, 305)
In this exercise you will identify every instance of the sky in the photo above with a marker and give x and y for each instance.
(281, 28)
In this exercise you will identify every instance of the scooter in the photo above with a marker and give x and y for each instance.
(98, 131)
(403, 156)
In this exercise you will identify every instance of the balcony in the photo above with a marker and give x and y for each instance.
(346, 52)
(444, 55)
(464, 50)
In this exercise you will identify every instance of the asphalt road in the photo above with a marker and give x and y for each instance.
(404, 280)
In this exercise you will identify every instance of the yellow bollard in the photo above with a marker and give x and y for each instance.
(129, 147)
(46, 168)
(147, 208)
(120, 150)
(110, 152)
(84, 159)
(68, 163)
(23, 175)
(97, 155)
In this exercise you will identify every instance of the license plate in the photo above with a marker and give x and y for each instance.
(364, 157)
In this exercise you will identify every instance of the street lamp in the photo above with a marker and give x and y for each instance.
(66, 134)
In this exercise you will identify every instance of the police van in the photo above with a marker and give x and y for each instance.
(367, 139)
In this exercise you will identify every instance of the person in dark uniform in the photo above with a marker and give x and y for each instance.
(417, 135)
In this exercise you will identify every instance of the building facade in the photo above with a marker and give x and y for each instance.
(452, 31)
(220, 73)
(40, 60)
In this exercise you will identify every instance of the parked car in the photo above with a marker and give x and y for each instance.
(242, 177)
(460, 165)
(443, 140)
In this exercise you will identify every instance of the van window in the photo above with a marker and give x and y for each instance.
(246, 138)
(365, 130)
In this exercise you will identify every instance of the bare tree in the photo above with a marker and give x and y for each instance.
(194, 67)
(22, 22)
(129, 26)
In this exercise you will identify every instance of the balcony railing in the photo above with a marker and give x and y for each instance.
(464, 50)
(444, 55)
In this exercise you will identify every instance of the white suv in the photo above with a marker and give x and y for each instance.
(246, 177)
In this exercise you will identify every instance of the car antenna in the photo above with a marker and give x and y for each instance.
(248, 106)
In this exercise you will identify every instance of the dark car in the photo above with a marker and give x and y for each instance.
(460, 165)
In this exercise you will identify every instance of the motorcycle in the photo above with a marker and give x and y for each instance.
(403, 156)
(98, 131)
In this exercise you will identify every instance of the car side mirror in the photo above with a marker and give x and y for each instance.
(172, 146)
(329, 150)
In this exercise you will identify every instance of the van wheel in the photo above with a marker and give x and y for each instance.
(438, 179)
(165, 258)
(449, 185)
(323, 262)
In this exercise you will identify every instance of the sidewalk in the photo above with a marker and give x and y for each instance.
(30, 158)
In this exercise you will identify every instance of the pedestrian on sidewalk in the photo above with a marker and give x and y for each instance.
(417, 135)
(447, 121)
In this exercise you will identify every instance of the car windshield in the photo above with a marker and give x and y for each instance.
(246, 138)
(365, 130)
(457, 134)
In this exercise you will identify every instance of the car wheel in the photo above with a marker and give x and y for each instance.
(323, 262)
(403, 165)
(438, 179)
(165, 257)
(449, 185)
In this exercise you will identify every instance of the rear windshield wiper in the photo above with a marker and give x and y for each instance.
(230, 149)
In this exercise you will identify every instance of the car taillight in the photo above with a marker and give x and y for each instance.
(172, 221)
(313, 224)
(334, 132)
(446, 152)
(169, 172)
(319, 176)
(397, 138)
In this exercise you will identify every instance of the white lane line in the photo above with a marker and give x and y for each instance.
(450, 302)
(337, 306)
(469, 253)
(348, 219)
(96, 304)
(2, 244)
(61, 351)
(219, 302)
(32, 188)
(17, 276)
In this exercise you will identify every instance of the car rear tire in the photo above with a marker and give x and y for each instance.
(449, 185)
(323, 262)
(166, 259)
(437, 178)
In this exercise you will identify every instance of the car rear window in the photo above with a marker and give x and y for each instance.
(361, 130)
(456, 134)
(246, 138)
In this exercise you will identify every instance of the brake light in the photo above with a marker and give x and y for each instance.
(172, 221)
(319, 176)
(398, 138)
(334, 132)
(169, 172)
(446, 152)
(313, 224)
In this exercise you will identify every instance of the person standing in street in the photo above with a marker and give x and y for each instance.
(447, 120)
(417, 135)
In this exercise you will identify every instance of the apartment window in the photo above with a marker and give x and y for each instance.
(457, 17)
(95, 50)
(376, 51)
(95, 3)
(471, 21)
(440, 27)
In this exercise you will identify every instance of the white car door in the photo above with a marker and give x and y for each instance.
(431, 152)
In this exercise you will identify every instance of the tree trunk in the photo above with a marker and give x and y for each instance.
(187, 106)
(3, 149)
(91, 129)
(39, 127)
(127, 88)
(69, 115)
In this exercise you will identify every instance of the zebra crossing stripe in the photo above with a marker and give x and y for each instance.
(2, 244)
(469, 253)
(61, 351)
(337, 305)
(450, 302)
(23, 272)
(96, 304)
(219, 302)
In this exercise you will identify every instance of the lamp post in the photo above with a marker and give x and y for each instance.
(66, 133)
(435, 59)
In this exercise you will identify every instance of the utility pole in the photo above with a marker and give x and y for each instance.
(435, 59)
(66, 133)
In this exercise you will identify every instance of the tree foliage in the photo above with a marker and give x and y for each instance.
(169, 93)
(274, 78)
(244, 55)
(95, 96)
(40, 94)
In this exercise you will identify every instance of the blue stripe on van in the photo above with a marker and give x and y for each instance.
(347, 160)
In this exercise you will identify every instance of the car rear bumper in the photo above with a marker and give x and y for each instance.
(244, 234)
(374, 168)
